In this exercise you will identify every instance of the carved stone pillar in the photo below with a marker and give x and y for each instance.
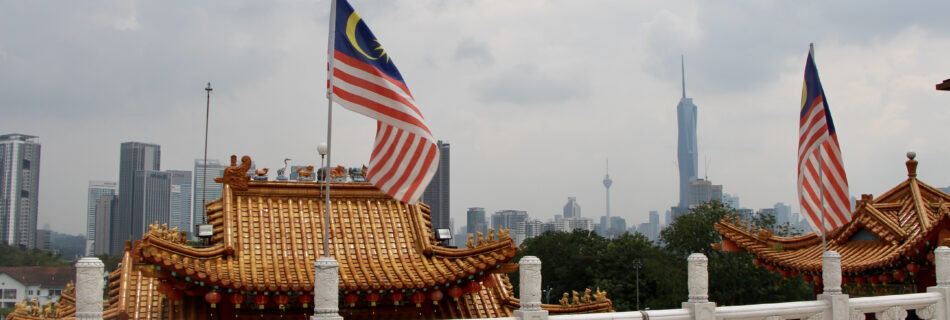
(698, 283)
(89, 286)
(326, 288)
(831, 272)
(698, 277)
(529, 271)
(942, 264)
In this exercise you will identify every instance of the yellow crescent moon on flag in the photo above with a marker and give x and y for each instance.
(351, 23)
(804, 94)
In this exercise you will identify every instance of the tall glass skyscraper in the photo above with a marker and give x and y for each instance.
(19, 189)
(97, 189)
(211, 191)
(687, 148)
(437, 193)
(180, 196)
(133, 157)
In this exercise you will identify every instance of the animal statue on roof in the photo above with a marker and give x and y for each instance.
(566, 299)
(261, 172)
(471, 242)
(236, 175)
(338, 173)
(305, 172)
(282, 171)
(586, 298)
(575, 299)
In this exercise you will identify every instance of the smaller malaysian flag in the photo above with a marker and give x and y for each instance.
(821, 178)
(364, 79)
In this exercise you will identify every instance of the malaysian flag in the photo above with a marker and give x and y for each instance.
(364, 79)
(821, 177)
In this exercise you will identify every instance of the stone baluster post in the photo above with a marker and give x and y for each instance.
(698, 282)
(529, 271)
(831, 279)
(89, 286)
(326, 289)
(942, 263)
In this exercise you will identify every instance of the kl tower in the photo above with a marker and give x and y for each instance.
(607, 183)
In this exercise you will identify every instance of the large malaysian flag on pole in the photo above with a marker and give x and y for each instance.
(822, 183)
(364, 79)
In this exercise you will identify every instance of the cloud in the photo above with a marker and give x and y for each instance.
(475, 51)
(527, 85)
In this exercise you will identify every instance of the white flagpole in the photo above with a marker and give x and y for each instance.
(326, 173)
(821, 178)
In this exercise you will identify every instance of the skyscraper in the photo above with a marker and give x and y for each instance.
(475, 221)
(437, 193)
(19, 189)
(571, 208)
(701, 191)
(180, 210)
(106, 223)
(211, 191)
(133, 157)
(152, 201)
(97, 189)
(687, 148)
(607, 184)
(509, 219)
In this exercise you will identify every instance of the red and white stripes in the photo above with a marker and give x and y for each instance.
(831, 181)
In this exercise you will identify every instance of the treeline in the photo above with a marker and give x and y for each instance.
(579, 260)
(12, 256)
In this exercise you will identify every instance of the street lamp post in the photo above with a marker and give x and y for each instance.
(637, 264)
(322, 149)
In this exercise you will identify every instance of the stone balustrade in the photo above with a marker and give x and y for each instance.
(831, 305)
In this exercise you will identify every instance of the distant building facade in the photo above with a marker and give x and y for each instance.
(19, 189)
(611, 226)
(508, 219)
(134, 159)
(179, 214)
(572, 209)
(205, 188)
(97, 189)
(475, 221)
(107, 222)
(438, 194)
(702, 191)
(152, 191)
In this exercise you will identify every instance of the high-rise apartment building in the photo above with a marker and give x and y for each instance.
(437, 194)
(783, 213)
(107, 223)
(687, 148)
(19, 189)
(205, 188)
(134, 157)
(475, 221)
(97, 189)
(572, 209)
(179, 215)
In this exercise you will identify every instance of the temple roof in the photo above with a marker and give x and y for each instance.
(269, 235)
(897, 223)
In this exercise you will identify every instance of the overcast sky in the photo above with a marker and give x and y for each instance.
(534, 96)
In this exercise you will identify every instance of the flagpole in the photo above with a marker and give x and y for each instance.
(326, 171)
(821, 178)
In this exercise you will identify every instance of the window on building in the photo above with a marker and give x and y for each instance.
(8, 304)
(29, 292)
(9, 293)
(53, 293)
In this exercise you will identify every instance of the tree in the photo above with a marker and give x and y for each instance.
(567, 260)
(11, 256)
(733, 279)
(662, 275)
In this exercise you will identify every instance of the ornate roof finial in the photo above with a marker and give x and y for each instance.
(911, 165)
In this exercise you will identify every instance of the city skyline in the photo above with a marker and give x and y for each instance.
(531, 106)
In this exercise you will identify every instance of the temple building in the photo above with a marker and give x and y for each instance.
(259, 263)
(886, 248)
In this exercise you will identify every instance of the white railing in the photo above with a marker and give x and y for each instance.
(831, 305)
